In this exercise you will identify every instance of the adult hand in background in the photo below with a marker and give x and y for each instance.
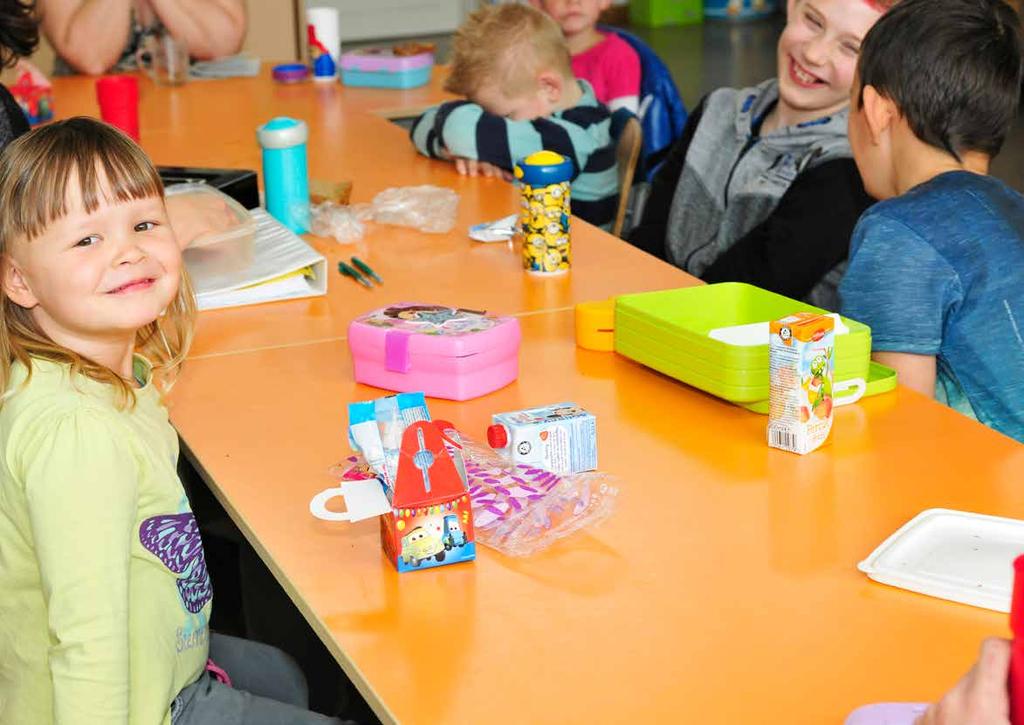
(193, 215)
(981, 696)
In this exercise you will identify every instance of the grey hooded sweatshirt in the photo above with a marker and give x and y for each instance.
(773, 209)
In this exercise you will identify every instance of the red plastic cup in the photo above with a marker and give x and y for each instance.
(1017, 653)
(119, 102)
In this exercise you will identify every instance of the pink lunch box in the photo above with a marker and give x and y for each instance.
(445, 352)
(381, 68)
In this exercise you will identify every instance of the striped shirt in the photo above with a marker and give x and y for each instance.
(583, 133)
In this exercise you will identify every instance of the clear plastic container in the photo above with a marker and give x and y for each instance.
(241, 230)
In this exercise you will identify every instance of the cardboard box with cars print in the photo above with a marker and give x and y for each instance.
(431, 518)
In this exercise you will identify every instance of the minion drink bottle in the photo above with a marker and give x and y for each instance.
(544, 217)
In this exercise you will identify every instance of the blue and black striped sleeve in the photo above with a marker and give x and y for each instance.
(462, 129)
(466, 130)
(423, 136)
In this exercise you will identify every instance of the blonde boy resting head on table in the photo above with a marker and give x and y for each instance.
(512, 64)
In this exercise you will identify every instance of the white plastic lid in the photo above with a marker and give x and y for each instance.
(282, 133)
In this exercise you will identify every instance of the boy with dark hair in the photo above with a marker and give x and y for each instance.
(937, 269)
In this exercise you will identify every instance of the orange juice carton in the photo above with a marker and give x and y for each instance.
(801, 360)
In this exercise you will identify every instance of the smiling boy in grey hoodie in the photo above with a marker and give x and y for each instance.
(762, 188)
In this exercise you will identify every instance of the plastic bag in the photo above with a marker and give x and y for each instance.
(426, 208)
(344, 223)
(429, 209)
(521, 510)
(517, 509)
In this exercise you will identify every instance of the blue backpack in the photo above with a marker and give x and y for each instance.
(662, 113)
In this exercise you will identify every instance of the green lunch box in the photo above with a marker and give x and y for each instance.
(668, 331)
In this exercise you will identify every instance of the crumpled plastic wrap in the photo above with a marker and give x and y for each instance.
(521, 510)
(430, 209)
(344, 223)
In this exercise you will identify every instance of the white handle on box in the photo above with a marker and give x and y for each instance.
(839, 388)
(318, 505)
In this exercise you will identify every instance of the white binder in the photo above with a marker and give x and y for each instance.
(276, 264)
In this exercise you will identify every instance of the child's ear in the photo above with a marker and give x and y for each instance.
(551, 85)
(14, 284)
(879, 112)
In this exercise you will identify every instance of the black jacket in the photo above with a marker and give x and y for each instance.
(805, 236)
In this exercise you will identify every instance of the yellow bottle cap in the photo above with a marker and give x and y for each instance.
(544, 158)
(595, 325)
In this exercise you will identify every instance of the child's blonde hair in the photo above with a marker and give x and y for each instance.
(509, 45)
(35, 173)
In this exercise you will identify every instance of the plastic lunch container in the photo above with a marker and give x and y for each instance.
(956, 555)
(668, 331)
(243, 231)
(381, 68)
(445, 352)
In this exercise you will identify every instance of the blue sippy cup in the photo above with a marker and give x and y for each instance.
(285, 177)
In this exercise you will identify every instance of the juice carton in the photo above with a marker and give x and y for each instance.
(801, 359)
(561, 438)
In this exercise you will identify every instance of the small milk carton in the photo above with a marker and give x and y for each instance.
(801, 358)
(561, 438)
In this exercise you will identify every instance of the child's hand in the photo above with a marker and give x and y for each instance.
(474, 167)
(980, 697)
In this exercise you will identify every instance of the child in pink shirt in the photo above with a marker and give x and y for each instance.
(606, 61)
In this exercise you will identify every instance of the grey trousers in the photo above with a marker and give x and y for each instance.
(267, 688)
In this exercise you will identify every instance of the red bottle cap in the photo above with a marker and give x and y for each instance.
(497, 435)
(119, 102)
(1016, 679)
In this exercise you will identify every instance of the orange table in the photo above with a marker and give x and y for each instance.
(349, 139)
(723, 590)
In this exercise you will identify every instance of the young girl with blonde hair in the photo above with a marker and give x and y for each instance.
(106, 600)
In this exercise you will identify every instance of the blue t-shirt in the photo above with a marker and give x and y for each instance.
(940, 271)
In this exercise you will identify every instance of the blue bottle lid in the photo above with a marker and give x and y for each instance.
(290, 72)
(543, 168)
(282, 133)
(324, 68)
